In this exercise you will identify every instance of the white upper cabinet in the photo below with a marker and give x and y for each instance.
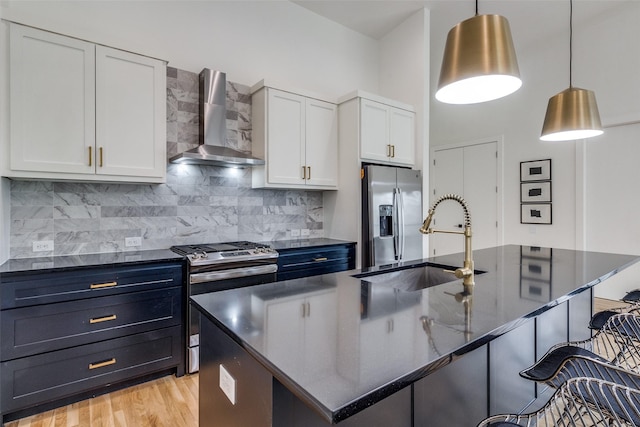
(81, 111)
(387, 133)
(130, 114)
(52, 102)
(298, 138)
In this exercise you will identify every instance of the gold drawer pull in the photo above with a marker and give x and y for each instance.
(101, 157)
(102, 364)
(320, 259)
(90, 156)
(304, 172)
(102, 319)
(103, 285)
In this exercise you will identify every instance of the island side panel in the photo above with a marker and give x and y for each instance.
(508, 355)
(253, 391)
(580, 312)
(289, 411)
(454, 395)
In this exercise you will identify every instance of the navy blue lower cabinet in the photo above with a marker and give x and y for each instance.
(296, 262)
(71, 333)
(34, 380)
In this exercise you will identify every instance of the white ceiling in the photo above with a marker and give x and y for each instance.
(376, 18)
(373, 18)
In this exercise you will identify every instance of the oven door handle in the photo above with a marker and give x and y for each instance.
(213, 276)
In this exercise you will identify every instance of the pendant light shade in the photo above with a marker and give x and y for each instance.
(479, 62)
(571, 114)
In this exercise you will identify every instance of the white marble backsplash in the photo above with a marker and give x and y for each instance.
(198, 204)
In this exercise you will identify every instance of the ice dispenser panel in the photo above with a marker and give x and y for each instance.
(386, 220)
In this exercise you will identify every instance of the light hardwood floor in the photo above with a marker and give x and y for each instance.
(165, 402)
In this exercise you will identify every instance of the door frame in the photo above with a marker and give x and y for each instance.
(499, 141)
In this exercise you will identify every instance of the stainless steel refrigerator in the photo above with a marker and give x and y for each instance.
(392, 215)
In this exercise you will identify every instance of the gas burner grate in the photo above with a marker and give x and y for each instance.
(216, 247)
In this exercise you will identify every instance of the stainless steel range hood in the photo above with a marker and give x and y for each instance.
(213, 128)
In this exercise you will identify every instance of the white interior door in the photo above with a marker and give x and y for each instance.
(449, 171)
(480, 192)
(472, 172)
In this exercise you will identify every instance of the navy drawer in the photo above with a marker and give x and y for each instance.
(49, 287)
(304, 262)
(31, 330)
(35, 380)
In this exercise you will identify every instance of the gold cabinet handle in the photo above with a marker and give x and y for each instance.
(101, 157)
(102, 364)
(388, 150)
(90, 156)
(309, 172)
(304, 172)
(102, 319)
(393, 151)
(320, 259)
(103, 285)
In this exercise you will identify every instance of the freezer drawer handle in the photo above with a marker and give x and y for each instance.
(320, 259)
(103, 285)
(102, 319)
(102, 364)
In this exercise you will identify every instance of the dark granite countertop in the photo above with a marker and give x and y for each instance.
(342, 358)
(59, 263)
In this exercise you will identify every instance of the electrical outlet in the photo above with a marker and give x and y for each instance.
(43, 246)
(228, 385)
(295, 233)
(132, 241)
(304, 232)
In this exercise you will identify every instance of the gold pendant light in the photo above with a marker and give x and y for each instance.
(572, 113)
(479, 62)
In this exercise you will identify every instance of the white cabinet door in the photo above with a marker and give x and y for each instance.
(130, 114)
(402, 136)
(285, 136)
(374, 135)
(321, 143)
(52, 102)
(387, 133)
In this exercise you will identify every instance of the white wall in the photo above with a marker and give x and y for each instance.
(404, 76)
(4, 183)
(249, 40)
(605, 60)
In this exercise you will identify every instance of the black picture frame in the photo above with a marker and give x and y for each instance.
(535, 170)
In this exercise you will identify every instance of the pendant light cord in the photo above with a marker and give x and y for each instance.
(570, 43)
(476, 7)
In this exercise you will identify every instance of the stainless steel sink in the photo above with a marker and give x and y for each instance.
(413, 278)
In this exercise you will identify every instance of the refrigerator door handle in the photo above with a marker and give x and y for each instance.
(400, 225)
(396, 228)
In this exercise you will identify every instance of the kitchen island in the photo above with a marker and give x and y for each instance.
(376, 347)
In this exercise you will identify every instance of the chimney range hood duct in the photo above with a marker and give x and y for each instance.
(213, 128)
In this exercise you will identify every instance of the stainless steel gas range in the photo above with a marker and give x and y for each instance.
(219, 266)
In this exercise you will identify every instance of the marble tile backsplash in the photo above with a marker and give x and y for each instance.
(198, 204)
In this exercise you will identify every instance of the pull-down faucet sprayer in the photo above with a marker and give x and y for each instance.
(466, 272)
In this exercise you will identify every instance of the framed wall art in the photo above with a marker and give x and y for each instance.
(535, 170)
(535, 192)
(535, 213)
